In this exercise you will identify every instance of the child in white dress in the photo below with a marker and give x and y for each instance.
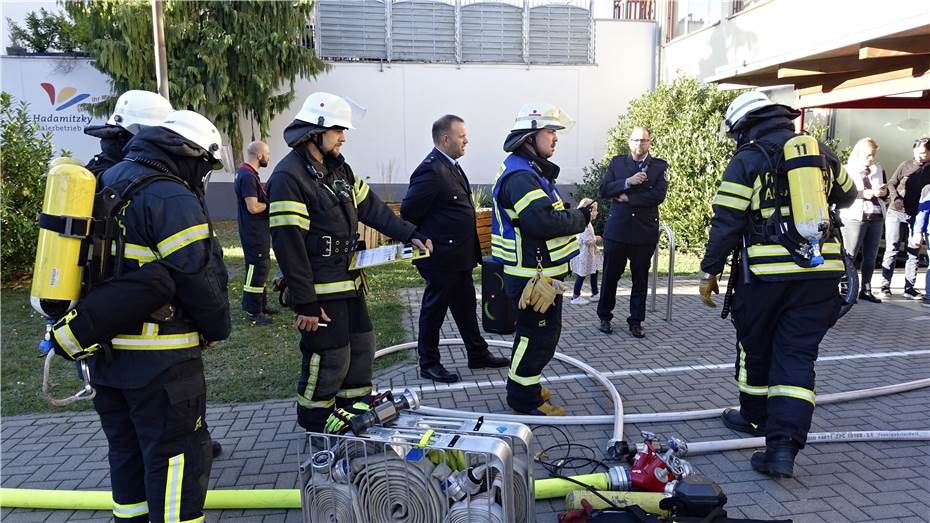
(589, 260)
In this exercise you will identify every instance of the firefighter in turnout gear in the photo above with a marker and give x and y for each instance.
(151, 392)
(786, 299)
(134, 110)
(533, 236)
(316, 204)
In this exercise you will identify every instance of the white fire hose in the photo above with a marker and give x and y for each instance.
(617, 419)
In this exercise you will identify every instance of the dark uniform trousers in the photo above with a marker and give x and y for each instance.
(160, 451)
(254, 297)
(779, 326)
(616, 255)
(453, 291)
(336, 366)
(533, 347)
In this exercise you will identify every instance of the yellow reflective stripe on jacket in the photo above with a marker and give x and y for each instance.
(556, 270)
(843, 179)
(132, 251)
(289, 206)
(186, 340)
(313, 374)
(768, 211)
(529, 198)
(568, 248)
(731, 201)
(791, 267)
(778, 250)
(793, 392)
(182, 239)
(756, 191)
(130, 510)
(357, 392)
(736, 189)
(360, 191)
(310, 404)
(173, 486)
(66, 338)
(503, 242)
(504, 254)
(517, 357)
(337, 286)
(289, 219)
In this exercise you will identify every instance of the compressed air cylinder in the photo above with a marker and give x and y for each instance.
(56, 280)
(648, 501)
(497, 312)
(809, 208)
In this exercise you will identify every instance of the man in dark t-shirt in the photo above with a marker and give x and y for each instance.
(252, 203)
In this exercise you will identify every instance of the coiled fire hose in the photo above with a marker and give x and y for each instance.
(480, 508)
(391, 488)
(326, 498)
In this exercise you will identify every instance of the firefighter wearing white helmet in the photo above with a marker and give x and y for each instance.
(172, 303)
(134, 110)
(782, 303)
(533, 236)
(316, 204)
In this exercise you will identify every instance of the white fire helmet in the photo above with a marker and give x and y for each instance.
(136, 109)
(329, 110)
(537, 115)
(197, 129)
(742, 105)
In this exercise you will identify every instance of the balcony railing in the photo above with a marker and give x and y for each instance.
(635, 9)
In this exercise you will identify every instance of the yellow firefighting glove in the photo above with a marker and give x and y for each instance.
(546, 292)
(708, 285)
(526, 297)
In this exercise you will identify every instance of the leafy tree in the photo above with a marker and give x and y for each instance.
(43, 31)
(684, 117)
(24, 155)
(225, 59)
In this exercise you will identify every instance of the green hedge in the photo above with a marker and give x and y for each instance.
(684, 117)
(24, 156)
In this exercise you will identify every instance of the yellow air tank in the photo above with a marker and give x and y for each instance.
(809, 209)
(56, 280)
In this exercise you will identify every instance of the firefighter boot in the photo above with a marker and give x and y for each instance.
(777, 460)
(546, 409)
(734, 420)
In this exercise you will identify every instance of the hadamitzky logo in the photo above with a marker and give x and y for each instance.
(66, 97)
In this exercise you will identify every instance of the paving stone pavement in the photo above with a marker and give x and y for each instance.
(684, 364)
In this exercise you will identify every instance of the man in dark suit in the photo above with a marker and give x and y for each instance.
(637, 184)
(438, 201)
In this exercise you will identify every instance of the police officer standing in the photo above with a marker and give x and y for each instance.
(438, 201)
(782, 307)
(316, 204)
(637, 185)
(134, 110)
(252, 205)
(533, 236)
(151, 392)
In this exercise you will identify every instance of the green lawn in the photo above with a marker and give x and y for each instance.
(255, 363)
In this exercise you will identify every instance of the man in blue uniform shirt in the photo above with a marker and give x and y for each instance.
(438, 202)
(252, 203)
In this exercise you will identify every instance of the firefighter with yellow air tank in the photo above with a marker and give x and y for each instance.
(533, 236)
(772, 208)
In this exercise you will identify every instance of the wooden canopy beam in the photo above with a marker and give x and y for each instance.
(895, 46)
